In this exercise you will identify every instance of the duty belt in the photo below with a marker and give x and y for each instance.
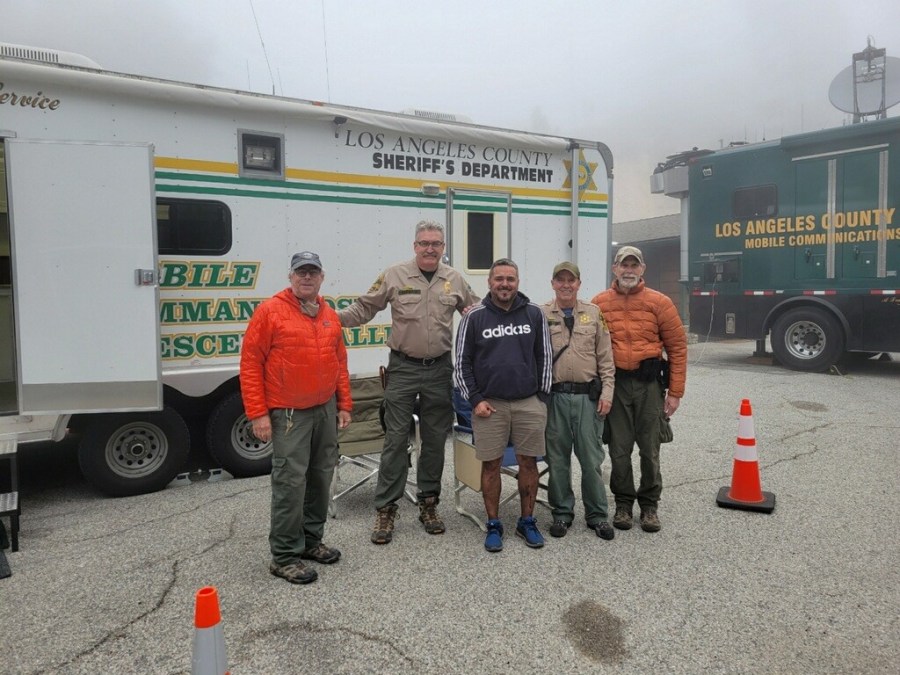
(421, 362)
(621, 372)
(571, 387)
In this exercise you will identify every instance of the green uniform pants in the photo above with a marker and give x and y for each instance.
(634, 418)
(304, 453)
(573, 422)
(431, 384)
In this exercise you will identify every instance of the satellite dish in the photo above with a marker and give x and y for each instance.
(869, 86)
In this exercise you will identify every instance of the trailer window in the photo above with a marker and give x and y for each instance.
(760, 201)
(479, 241)
(193, 227)
(261, 155)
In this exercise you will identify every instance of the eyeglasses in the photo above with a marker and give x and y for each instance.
(307, 272)
(429, 244)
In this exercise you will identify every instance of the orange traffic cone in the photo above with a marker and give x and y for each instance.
(745, 491)
(209, 641)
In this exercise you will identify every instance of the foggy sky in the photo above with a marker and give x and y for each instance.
(647, 77)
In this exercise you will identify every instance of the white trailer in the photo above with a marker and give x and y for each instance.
(142, 221)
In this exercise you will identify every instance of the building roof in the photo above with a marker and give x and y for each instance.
(647, 229)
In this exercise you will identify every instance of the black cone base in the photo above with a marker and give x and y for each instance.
(767, 505)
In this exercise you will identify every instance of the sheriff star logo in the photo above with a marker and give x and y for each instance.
(585, 173)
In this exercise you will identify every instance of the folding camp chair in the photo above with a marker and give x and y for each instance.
(361, 444)
(9, 501)
(467, 468)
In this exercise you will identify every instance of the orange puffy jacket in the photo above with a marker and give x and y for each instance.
(641, 323)
(292, 360)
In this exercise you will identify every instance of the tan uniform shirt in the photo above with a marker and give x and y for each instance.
(421, 311)
(589, 353)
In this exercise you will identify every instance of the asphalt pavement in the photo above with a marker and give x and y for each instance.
(107, 585)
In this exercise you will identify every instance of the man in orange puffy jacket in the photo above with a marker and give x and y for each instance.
(296, 391)
(642, 322)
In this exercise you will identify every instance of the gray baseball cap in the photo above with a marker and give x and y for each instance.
(305, 258)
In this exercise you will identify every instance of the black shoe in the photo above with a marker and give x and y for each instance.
(559, 528)
(603, 529)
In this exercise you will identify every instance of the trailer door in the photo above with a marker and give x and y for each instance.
(85, 297)
(478, 232)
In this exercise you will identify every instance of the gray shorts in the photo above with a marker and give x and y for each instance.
(521, 422)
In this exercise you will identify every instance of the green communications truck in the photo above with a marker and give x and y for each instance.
(797, 239)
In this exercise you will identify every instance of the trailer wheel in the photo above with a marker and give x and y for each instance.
(807, 338)
(230, 439)
(124, 454)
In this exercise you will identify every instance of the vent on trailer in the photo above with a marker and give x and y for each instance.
(46, 55)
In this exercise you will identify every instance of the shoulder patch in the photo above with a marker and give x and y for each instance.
(377, 283)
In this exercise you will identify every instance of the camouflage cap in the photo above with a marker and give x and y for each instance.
(627, 251)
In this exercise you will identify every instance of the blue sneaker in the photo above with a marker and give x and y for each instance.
(493, 542)
(527, 529)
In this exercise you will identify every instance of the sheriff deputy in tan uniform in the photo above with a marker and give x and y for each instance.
(584, 376)
(423, 294)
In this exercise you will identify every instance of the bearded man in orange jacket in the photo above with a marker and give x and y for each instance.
(296, 391)
(642, 323)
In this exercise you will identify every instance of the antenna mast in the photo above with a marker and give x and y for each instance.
(869, 68)
(868, 86)
(263, 45)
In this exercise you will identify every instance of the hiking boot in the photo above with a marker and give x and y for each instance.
(383, 531)
(295, 572)
(493, 542)
(603, 529)
(429, 517)
(526, 528)
(649, 520)
(622, 520)
(322, 554)
(559, 528)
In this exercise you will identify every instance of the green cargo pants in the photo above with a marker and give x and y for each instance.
(433, 387)
(573, 422)
(634, 418)
(303, 460)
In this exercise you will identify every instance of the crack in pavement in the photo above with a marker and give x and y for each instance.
(291, 628)
(795, 456)
(120, 632)
(160, 519)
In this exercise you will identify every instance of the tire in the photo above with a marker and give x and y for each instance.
(808, 339)
(230, 440)
(125, 454)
